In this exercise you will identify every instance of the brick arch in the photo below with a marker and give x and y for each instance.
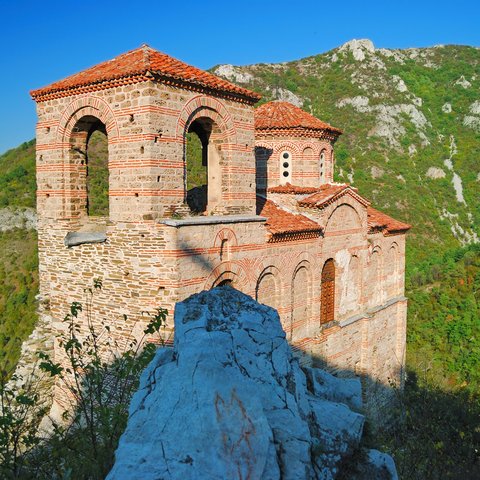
(313, 145)
(351, 285)
(338, 220)
(203, 106)
(80, 107)
(265, 144)
(391, 268)
(376, 267)
(228, 271)
(274, 272)
(224, 241)
(300, 308)
(292, 146)
(225, 234)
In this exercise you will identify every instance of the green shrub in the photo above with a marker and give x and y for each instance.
(100, 379)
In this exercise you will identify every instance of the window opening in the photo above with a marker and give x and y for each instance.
(285, 167)
(327, 308)
(202, 159)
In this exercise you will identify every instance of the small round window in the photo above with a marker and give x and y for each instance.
(322, 161)
(285, 166)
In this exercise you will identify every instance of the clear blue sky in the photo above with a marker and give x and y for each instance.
(42, 41)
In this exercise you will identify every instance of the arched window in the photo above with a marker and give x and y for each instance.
(322, 166)
(327, 307)
(352, 287)
(285, 167)
(376, 286)
(202, 161)
(308, 153)
(391, 271)
(89, 153)
(300, 293)
(266, 291)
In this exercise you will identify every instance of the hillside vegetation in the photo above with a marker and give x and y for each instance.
(411, 144)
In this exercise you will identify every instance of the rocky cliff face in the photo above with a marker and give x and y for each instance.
(229, 401)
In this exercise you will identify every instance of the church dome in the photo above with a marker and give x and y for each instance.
(285, 117)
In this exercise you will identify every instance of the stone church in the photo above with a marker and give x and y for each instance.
(269, 219)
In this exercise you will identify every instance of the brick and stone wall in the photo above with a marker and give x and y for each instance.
(148, 256)
(311, 161)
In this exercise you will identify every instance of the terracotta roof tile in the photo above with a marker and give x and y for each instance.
(379, 221)
(289, 188)
(137, 65)
(283, 115)
(330, 192)
(281, 222)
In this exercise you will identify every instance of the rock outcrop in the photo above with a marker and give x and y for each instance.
(230, 401)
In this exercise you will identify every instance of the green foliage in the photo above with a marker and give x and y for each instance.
(444, 319)
(18, 288)
(100, 377)
(196, 171)
(17, 176)
(438, 435)
(97, 179)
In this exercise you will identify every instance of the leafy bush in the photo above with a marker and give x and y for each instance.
(99, 379)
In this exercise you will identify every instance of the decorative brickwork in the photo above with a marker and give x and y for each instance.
(269, 237)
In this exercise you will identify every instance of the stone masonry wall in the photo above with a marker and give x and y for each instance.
(146, 126)
(146, 259)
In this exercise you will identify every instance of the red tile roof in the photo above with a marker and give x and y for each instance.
(381, 222)
(139, 65)
(285, 116)
(289, 188)
(329, 193)
(283, 223)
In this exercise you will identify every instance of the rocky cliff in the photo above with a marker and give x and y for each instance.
(229, 401)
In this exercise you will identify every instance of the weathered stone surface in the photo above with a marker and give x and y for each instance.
(230, 401)
(11, 218)
(377, 466)
(73, 239)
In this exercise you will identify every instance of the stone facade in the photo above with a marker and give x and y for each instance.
(267, 237)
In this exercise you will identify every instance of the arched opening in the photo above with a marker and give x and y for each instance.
(300, 300)
(308, 152)
(327, 305)
(202, 160)
(322, 166)
(375, 276)
(266, 291)
(391, 271)
(352, 287)
(226, 282)
(89, 152)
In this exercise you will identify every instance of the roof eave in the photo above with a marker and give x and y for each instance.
(47, 93)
